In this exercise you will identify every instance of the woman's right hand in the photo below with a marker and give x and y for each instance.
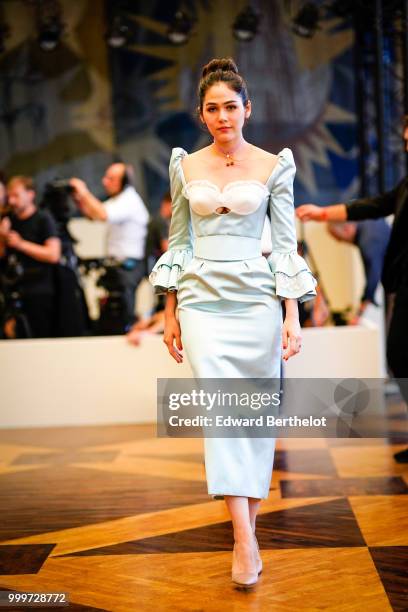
(172, 338)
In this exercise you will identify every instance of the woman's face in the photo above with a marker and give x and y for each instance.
(223, 112)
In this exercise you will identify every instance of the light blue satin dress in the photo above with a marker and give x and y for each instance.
(229, 297)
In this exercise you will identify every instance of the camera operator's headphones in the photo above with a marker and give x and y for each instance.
(128, 178)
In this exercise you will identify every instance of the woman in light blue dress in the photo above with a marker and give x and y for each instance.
(226, 294)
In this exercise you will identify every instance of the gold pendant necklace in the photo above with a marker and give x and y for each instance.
(229, 159)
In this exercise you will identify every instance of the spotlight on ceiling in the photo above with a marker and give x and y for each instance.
(49, 34)
(49, 24)
(118, 33)
(245, 26)
(180, 28)
(306, 22)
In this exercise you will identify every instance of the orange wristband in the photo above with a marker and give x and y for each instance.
(324, 214)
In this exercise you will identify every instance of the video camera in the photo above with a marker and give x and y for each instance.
(112, 319)
(110, 278)
(11, 305)
(56, 199)
(12, 272)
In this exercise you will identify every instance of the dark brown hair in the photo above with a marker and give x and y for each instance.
(225, 71)
(26, 181)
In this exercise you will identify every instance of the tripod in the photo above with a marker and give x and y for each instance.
(12, 311)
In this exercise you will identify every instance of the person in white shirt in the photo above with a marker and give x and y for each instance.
(127, 218)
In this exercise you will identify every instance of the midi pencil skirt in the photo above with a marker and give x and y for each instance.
(231, 326)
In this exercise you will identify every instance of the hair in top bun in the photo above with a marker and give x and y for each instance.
(225, 65)
(222, 70)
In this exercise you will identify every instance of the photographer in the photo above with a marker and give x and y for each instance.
(31, 236)
(72, 317)
(127, 219)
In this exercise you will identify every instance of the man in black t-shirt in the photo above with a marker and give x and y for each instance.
(31, 235)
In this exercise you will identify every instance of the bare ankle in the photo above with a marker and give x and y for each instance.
(243, 535)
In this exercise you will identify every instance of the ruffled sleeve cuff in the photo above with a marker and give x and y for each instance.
(168, 269)
(293, 279)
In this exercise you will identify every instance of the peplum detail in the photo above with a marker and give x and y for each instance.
(293, 278)
(168, 269)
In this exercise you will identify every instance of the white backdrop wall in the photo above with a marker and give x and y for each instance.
(89, 381)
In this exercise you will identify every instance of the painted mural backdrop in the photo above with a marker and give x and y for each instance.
(55, 107)
(73, 111)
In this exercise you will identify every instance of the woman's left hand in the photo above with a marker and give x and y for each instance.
(291, 337)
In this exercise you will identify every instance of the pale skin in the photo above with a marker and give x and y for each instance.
(224, 114)
(89, 205)
(21, 202)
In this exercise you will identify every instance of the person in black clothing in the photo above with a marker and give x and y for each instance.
(72, 318)
(31, 235)
(395, 271)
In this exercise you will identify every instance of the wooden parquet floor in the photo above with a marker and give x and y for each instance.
(121, 521)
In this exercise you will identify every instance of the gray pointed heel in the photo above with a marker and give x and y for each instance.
(243, 579)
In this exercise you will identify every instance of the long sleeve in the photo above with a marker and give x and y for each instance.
(168, 269)
(375, 207)
(293, 279)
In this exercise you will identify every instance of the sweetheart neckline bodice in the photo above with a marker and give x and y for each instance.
(203, 194)
(237, 182)
(283, 154)
(242, 196)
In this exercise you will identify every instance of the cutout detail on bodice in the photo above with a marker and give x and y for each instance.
(239, 197)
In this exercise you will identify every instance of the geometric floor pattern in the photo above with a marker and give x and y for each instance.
(121, 521)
